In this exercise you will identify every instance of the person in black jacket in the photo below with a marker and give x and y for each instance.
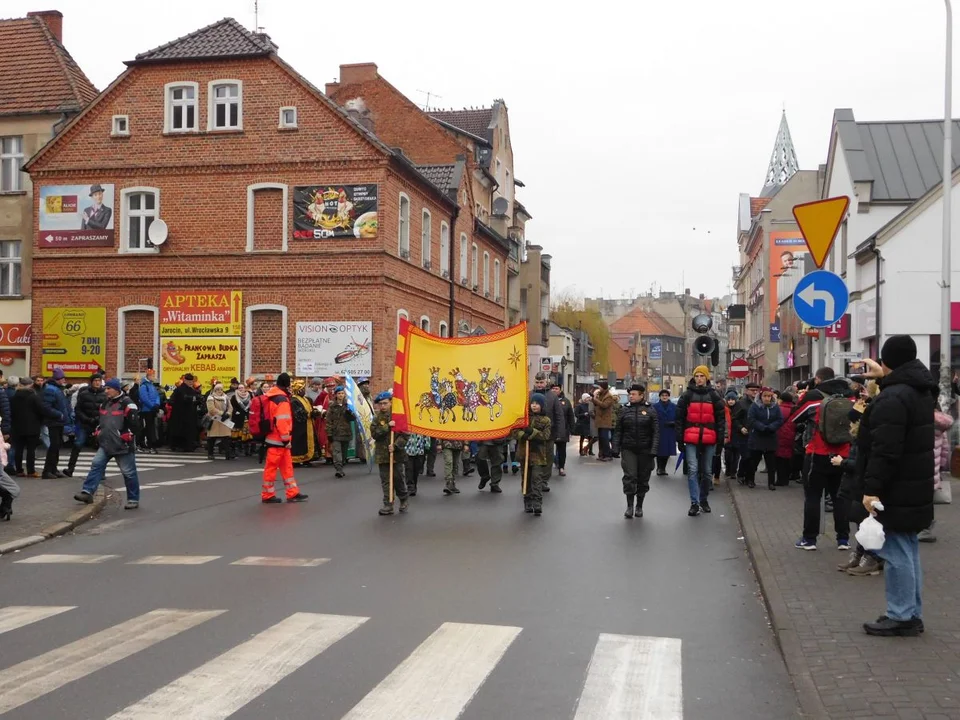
(28, 414)
(764, 420)
(636, 438)
(741, 432)
(87, 416)
(897, 439)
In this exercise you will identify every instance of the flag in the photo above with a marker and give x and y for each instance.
(469, 388)
(362, 411)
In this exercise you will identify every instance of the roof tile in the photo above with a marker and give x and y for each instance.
(440, 175)
(224, 38)
(645, 322)
(474, 122)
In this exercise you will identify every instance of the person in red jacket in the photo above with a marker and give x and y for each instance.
(277, 408)
(786, 436)
(701, 423)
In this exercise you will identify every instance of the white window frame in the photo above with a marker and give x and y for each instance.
(169, 104)
(122, 334)
(444, 249)
(213, 101)
(474, 269)
(426, 239)
(115, 130)
(251, 206)
(248, 335)
(283, 124)
(401, 313)
(403, 227)
(496, 280)
(125, 220)
(11, 265)
(15, 156)
(486, 274)
(464, 255)
(425, 323)
(442, 331)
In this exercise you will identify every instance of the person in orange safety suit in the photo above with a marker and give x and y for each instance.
(277, 404)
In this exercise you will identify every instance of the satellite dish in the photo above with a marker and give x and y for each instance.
(500, 206)
(157, 234)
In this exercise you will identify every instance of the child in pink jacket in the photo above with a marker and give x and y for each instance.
(941, 455)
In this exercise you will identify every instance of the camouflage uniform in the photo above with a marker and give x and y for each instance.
(541, 458)
(380, 431)
(452, 450)
(490, 461)
(339, 433)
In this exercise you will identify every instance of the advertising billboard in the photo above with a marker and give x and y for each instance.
(76, 216)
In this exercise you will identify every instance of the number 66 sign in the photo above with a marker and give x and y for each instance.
(74, 339)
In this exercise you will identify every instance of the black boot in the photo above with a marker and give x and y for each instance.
(210, 443)
(72, 462)
(629, 512)
(639, 511)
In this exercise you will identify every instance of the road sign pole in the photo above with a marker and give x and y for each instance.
(946, 352)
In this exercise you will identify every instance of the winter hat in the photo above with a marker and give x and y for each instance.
(283, 380)
(585, 397)
(639, 387)
(385, 395)
(13, 381)
(702, 369)
(731, 395)
(340, 388)
(539, 399)
(26, 381)
(114, 383)
(603, 382)
(58, 372)
(898, 350)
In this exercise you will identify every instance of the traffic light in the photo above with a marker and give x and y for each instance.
(704, 344)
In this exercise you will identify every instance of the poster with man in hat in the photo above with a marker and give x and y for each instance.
(97, 216)
(76, 215)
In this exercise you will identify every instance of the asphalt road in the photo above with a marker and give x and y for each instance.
(465, 607)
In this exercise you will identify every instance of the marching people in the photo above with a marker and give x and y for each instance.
(303, 442)
(55, 400)
(582, 415)
(339, 431)
(897, 441)
(605, 405)
(561, 434)
(90, 399)
(240, 436)
(218, 411)
(550, 409)
(637, 439)
(278, 418)
(764, 420)
(700, 426)
(452, 450)
(536, 438)
(667, 447)
(415, 450)
(490, 463)
(116, 437)
(389, 454)
(149, 406)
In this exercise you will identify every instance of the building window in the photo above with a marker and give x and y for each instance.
(463, 258)
(425, 323)
(486, 274)
(288, 117)
(121, 126)
(523, 304)
(225, 111)
(139, 207)
(11, 160)
(425, 232)
(401, 315)
(404, 226)
(444, 249)
(474, 263)
(181, 107)
(496, 279)
(443, 329)
(498, 170)
(10, 267)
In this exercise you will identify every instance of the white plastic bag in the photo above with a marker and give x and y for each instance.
(870, 535)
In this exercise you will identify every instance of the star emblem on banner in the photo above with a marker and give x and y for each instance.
(515, 357)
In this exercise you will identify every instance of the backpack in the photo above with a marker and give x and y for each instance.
(834, 420)
(259, 417)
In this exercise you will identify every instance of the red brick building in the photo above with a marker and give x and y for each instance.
(216, 136)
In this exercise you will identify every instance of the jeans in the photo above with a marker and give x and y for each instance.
(904, 576)
(823, 476)
(605, 434)
(698, 456)
(128, 466)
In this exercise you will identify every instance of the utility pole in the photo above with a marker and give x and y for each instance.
(946, 353)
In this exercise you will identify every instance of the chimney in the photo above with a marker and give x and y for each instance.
(266, 39)
(330, 88)
(358, 73)
(702, 296)
(686, 291)
(53, 19)
(357, 109)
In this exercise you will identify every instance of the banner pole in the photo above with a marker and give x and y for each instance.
(393, 450)
(526, 467)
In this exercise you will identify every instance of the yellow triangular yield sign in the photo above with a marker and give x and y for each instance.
(819, 222)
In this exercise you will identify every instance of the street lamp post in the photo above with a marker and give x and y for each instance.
(946, 353)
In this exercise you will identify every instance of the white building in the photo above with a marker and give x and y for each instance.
(891, 171)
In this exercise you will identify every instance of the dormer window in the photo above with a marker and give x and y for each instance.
(226, 103)
(181, 107)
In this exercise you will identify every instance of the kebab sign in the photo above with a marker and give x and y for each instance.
(201, 314)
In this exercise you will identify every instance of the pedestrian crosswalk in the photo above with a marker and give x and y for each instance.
(628, 677)
(145, 462)
(79, 559)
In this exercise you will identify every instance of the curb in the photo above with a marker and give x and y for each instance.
(811, 705)
(72, 520)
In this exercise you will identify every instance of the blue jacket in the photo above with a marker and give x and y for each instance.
(149, 397)
(55, 400)
(667, 415)
(763, 422)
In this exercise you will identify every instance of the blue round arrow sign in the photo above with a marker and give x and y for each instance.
(821, 298)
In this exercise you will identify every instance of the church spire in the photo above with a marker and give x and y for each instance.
(783, 162)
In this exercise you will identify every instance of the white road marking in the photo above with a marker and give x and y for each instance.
(281, 561)
(233, 473)
(16, 616)
(175, 560)
(169, 483)
(201, 478)
(53, 558)
(633, 678)
(45, 673)
(440, 677)
(219, 688)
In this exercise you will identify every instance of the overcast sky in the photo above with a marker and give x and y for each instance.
(635, 125)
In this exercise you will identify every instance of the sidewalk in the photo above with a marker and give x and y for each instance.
(44, 509)
(817, 612)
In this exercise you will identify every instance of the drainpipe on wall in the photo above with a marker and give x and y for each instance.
(453, 285)
(878, 313)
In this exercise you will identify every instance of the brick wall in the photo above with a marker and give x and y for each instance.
(267, 219)
(138, 340)
(267, 328)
